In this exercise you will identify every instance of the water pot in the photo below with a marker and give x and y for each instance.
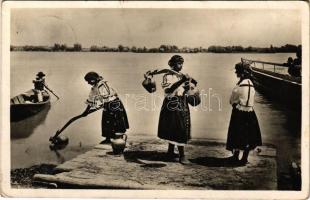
(119, 143)
(59, 140)
(193, 95)
(149, 84)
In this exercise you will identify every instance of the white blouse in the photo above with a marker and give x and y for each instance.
(243, 95)
(99, 94)
(169, 80)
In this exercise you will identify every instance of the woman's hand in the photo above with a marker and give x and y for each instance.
(185, 77)
(149, 74)
(186, 86)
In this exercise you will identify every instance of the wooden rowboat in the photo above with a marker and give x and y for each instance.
(24, 105)
(272, 80)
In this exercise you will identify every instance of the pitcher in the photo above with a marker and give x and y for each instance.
(192, 93)
(148, 83)
(119, 143)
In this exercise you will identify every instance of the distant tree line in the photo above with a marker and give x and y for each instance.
(161, 49)
(56, 47)
(288, 48)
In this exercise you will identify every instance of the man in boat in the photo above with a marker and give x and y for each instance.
(297, 61)
(291, 67)
(39, 84)
(294, 66)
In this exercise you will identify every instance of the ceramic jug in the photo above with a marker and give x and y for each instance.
(149, 84)
(119, 143)
(193, 94)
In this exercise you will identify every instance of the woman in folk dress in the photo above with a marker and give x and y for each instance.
(244, 132)
(114, 117)
(174, 121)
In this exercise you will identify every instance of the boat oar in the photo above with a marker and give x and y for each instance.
(58, 140)
(51, 91)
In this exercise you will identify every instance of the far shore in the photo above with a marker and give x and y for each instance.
(87, 51)
(288, 48)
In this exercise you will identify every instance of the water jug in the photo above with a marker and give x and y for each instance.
(149, 84)
(119, 143)
(59, 140)
(193, 94)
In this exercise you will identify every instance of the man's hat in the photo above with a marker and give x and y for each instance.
(40, 74)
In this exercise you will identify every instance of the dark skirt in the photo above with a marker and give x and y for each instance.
(114, 118)
(174, 121)
(243, 131)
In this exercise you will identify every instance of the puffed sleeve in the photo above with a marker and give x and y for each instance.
(91, 98)
(234, 98)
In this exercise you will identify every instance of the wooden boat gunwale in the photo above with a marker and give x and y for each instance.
(272, 74)
(281, 79)
(273, 85)
(29, 102)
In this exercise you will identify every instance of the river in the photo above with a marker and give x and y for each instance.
(124, 71)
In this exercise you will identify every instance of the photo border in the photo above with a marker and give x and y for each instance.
(6, 189)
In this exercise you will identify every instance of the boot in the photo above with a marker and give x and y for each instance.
(244, 159)
(182, 158)
(170, 153)
(235, 156)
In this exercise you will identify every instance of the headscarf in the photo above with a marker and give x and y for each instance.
(244, 69)
(175, 59)
(91, 76)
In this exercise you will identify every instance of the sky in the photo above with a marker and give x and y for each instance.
(153, 27)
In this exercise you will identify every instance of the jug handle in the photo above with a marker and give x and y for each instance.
(125, 137)
(148, 74)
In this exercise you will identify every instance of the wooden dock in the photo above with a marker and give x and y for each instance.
(145, 166)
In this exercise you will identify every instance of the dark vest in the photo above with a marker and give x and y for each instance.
(39, 84)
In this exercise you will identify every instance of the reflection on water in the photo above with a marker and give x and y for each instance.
(59, 156)
(282, 127)
(288, 117)
(24, 128)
